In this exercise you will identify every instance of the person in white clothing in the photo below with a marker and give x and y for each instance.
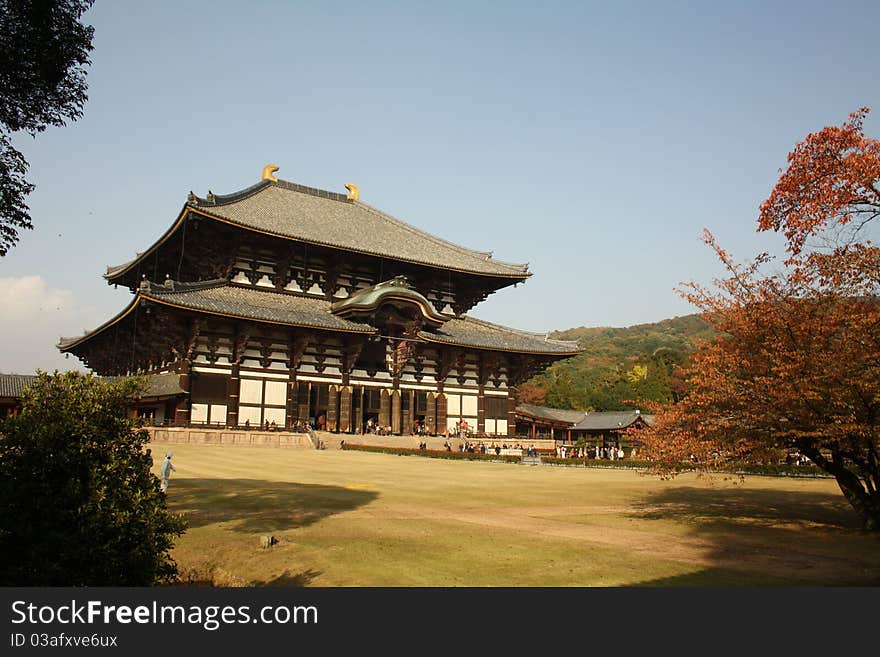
(165, 471)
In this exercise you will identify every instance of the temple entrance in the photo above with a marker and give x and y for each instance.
(371, 407)
(319, 396)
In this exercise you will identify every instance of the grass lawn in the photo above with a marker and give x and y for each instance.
(347, 518)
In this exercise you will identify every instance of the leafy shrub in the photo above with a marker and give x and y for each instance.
(80, 505)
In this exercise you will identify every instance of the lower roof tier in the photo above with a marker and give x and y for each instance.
(220, 299)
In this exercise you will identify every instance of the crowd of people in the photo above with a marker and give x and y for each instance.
(482, 448)
(609, 452)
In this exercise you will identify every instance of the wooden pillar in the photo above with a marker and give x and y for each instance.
(303, 395)
(431, 414)
(345, 409)
(292, 407)
(385, 408)
(441, 412)
(233, 389)
(358, 402)
(181, 413)
(534, 430)
(408, 415)
(569, 435)
(395, 412)
(333, 408)
(511, 412)
(481, 411)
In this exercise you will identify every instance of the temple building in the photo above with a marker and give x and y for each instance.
(283, 305)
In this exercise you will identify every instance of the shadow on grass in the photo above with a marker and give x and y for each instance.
(254, 505)
(290, 579)
(726, 503)
(761, 537)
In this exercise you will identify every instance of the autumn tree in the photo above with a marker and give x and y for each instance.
(797, 368)
(44, 50)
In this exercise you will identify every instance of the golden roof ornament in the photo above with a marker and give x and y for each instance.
(268, 170)
(353, 192)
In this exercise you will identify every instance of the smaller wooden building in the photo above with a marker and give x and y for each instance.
(157, 405)
(602, 428)
(11, 387)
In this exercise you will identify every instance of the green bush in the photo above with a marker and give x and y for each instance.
(80, 505)
(624, 464)
(431, 453)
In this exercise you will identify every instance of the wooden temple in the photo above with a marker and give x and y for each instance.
(283, 304)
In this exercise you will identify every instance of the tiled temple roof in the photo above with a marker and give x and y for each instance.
(159, 385)
(219, 298)
(326, 218)
(553, 414)
(584, 420)
(12, 385)
(472, 332)
(608, 420)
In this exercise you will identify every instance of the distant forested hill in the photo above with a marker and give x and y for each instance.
(619, 365)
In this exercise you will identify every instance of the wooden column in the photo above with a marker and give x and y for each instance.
(407, 416)
(296, 346)
(385, 408)
(333, 408)
(292, 411)
(181, 413)
(441, 413)
(431, 414)
(345, 409)
(358, 403)
(304, 392)
(511, 413)
(481, 411)
(395, 412)
(233, 388)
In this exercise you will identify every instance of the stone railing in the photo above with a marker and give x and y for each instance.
(204, 436)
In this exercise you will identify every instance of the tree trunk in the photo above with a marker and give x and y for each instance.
(865, 503)
(866, 506)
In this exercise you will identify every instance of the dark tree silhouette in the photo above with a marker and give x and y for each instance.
(44, 51)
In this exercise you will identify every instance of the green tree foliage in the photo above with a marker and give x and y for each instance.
(44, 50)
(621, 367)
(80, 505)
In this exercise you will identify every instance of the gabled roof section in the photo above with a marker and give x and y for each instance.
(607, 420)
(584, 420)
(218, 298)
(321, 217)
(474, 332)
(12, 385)
(396, 291)
(561, 415)
(158, 385)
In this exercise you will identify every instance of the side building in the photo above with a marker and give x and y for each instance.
(283, 305)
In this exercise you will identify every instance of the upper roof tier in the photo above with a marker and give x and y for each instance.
(315, 216)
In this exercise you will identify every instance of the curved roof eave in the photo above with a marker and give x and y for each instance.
(429, 337)
(120, 270)
(66, 344)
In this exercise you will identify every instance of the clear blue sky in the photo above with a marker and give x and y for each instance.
(593, 140)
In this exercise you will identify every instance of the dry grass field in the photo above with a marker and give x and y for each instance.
(345, 518)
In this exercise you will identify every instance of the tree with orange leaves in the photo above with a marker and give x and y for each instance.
(797, 368)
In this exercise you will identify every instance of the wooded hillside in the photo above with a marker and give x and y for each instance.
(619, 365)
